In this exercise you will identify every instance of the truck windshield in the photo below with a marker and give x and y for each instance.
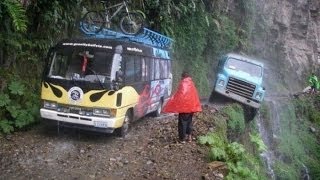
(85, 65)
(239, 65)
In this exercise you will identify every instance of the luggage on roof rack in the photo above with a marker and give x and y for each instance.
(146, 37)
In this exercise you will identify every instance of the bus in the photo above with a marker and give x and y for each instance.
(103, 84)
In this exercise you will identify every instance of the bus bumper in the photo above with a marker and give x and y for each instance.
(100, 124)
(238, 98)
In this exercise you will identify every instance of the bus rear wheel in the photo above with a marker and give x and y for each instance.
(157, 113)
(124, 129)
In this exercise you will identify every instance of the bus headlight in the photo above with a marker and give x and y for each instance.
(221, 82)
(50, 105)
(258, 95)
(104, 112)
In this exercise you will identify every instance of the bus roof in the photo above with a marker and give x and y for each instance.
(147, 37)
(110, 45)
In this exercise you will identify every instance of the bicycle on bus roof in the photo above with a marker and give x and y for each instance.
(130, 22)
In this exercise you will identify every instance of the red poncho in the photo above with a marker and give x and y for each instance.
(185, 100)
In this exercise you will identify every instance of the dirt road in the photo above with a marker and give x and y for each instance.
(150, 151)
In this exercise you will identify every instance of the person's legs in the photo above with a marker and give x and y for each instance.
(189, 126)
(313, 89)
(181, 126)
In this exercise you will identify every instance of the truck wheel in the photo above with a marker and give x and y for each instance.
(217, 98)
(124, 129)
(250, 112)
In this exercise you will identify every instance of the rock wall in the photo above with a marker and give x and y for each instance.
(286, 35)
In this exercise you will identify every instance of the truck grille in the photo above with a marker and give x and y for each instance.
(240, 88)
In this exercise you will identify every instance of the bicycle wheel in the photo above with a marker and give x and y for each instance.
(92, 21)
(132, 23)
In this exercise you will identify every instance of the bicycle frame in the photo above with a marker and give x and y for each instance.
(119, 6)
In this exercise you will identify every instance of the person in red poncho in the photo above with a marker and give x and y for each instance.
(186, 102)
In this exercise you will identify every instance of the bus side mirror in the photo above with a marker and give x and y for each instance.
(119, 76)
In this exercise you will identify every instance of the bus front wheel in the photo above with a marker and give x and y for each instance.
(124, 129)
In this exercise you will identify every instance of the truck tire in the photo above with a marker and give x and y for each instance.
(249, 112)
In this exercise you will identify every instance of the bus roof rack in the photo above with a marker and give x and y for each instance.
(147, 36)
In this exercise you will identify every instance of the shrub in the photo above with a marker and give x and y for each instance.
(19, 107)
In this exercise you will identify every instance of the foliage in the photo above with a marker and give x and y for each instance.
(14, 10)
(308, 107)
(27, 31)
(236, 117)
(285, 171)
(201, 30)
(240, 164)
(18, 107)
(265, 111)
(256, 139)
(298, 146)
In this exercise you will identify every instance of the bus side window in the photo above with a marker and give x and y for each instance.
(137, 69)
(145, 69)
(151, 65)
(156, 69)
(163, 69)
(129, 68)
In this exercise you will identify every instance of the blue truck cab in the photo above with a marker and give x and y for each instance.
(240, 78)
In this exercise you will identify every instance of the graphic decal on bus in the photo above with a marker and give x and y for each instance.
(75, 94)
(150, 97)
(57, 92)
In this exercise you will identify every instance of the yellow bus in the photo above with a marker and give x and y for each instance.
(104, 84)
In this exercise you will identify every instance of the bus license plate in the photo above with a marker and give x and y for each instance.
(100, 124)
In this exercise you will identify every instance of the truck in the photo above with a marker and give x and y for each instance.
(240, 78)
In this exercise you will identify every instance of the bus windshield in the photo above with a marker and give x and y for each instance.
(239, 65)
(85, 65)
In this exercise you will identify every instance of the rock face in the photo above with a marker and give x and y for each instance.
(287, 35)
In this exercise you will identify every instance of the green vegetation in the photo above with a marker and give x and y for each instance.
(298, 146)
(19, 104)
(241, 163)
(27, 32)
(202, 31)
(235, 117)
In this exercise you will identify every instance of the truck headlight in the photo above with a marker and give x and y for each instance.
(103, 112)
(258, 95)
(50, 105)
(221, 82)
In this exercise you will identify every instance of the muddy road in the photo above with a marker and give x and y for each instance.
(151, 151)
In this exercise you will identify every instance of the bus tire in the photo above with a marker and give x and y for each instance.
(124, 129)
(157, 113)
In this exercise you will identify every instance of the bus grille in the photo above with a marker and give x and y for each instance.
(240, 88)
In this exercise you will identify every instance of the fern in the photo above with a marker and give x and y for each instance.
(4, 99)
(256, 139)
(218, 153)
(5, 126)
(19, 108)
(16, 87)
(17, 14)
(235, 152)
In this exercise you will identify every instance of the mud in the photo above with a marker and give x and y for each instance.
(151, 151)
